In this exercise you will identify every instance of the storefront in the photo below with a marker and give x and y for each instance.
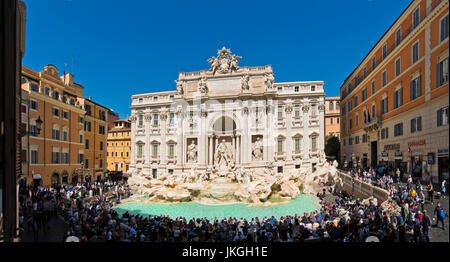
(384, 158)
(443, 164)
(418, 158)
(393, 158)
(37, 180)
(398, 161)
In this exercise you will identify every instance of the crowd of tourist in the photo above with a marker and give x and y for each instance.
(37, 205)
(90, 216)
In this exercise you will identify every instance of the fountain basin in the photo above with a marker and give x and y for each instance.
(303, 203)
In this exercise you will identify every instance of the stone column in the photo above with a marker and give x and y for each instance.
(288, 141)
(233, 146)
(202, 140)
(163, 145)
(269, 141)
(180, 138)
(210, 149)
(214, 147)
(238, 149)
(306, 137)
(245, 135)
(133, 142)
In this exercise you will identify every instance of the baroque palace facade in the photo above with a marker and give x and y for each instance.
(394, 105)
(227, 116)
(71, 144)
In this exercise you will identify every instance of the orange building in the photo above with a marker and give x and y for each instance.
(95, 134)
(394, 105)
(332, 115)
(57, 154)
(54, 152)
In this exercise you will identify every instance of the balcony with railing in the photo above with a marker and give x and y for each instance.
(154, 159)
(372, 124)
(171, 159)
(389, 50)
(280, 156)
(296, 154)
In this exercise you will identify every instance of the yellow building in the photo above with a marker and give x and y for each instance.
(119, 146)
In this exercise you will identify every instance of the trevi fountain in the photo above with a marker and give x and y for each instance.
(229, 141)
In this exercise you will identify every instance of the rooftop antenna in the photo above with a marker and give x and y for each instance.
(73, 73)
(65, 67)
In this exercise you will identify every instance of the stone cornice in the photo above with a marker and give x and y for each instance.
(36, 95)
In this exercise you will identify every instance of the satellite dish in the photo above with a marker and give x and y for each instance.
(72, 239)
(372, 239)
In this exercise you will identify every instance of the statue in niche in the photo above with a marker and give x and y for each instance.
(192, 152)
(223, 154)
(257, 149)
(202, 85)
(245, 80)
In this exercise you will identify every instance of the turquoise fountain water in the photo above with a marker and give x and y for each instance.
(303, 203)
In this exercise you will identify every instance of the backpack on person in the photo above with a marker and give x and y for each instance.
(442, 214)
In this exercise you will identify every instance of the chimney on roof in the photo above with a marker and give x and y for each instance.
(67, 79)
(90, 97)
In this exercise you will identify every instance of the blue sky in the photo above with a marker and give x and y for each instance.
(121, 48)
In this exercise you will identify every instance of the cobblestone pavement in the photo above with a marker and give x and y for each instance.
(54, 232)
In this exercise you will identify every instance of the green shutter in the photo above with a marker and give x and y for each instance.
(438, 75)
(438, 118)
(419, 86)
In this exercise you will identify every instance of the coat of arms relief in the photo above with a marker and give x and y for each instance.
(225, 62)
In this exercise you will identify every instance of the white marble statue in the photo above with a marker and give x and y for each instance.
(214, 63)
(257, 149)
(244, 80)
(223, 154)
(192, 152)
(202, 85)
(179, 87)
(269, 81)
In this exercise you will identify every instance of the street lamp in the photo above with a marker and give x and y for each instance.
(38, 127)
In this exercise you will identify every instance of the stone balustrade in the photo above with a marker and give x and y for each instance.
(362, 189)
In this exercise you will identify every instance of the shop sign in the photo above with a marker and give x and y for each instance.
(431, 158)
(384, 154)
(417, 143)
(392, 147)
(443, 151)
